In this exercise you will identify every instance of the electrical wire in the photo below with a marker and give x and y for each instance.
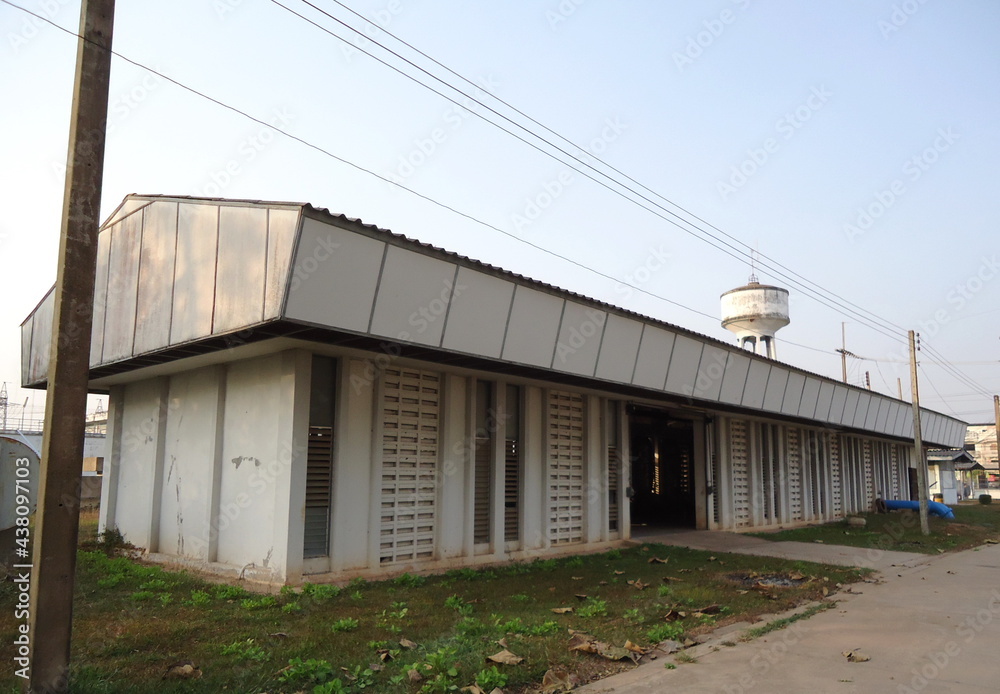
(674, 219)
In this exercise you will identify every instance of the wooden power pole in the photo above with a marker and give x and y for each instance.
(57, 519)
(918, 444)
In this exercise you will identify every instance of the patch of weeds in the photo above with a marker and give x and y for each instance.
(245, 650)
(230, 593)
(456, 603)
(511, 626)
(199, 598)
(331, 687)
(345, 624)
(521, 597)
(112, 543)
(593, 607)
(545, 564)
(165, 599)
(357, 596)
(757, 632)
(312, 671)
(143, 595)
(155, 584)
(320, 591)
(632, 615)
(546, 628)
(574, 562)
(491, 678)
(669, 666)
(668, 631)
(288, 591)
(409, 580)
(685, 658)
(292, 607)
(259, 603)
(665, 592)
(613, 554)
(360, 679)
(358, 583)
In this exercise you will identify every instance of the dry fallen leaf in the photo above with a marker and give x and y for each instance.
(414, 676)
(635, 648)
(657, 560)
(610, 652)
(557, 680)
(710, 609)
(505, 657)
(638, 584)
(856, 656)
(582, 642)
(407, 644)
(384, 654)
(562, 610)
(619, 573)
(472, 689)
(581, 596)
(577, 578)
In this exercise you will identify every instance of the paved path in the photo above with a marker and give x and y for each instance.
(718, 541)
(932, 626)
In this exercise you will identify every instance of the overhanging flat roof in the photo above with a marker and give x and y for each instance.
(179, 277)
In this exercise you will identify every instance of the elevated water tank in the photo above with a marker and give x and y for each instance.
(755, 312)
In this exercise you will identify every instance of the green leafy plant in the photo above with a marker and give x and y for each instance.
(259, 603)
(292, 607)
(331, 687)
(665, 592)
(593, 607)
(456, 603)
(320, 591)
(230, 593)
(546, 628)
(143, 595)
(668, 631)
(345, 624)
(491, 678)
(199, 598)
(245, 650)
(409, 580)
(574, 562)
(632, 615)
(312, 671)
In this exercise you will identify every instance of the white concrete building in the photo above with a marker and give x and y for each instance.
(297, 394)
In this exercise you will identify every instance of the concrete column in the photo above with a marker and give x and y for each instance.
(595, 471)
(454, 521)
(219, 374)
(353, 495)
(700, 463)
(375, 468)
(535, 481)
(112, 460)
(625, 474)
(162, 386)
(724, 484)
(291, 452)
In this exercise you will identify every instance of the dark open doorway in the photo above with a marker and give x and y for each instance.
(662, 452)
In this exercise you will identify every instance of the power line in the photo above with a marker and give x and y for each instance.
(383, 178)
(674, 219)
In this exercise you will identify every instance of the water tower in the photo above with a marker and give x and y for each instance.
(755, 312)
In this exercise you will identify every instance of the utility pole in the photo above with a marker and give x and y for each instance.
(57, 520)
(996, 422)
(918, 443)
(843, 349)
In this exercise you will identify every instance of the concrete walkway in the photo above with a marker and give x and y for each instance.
(719, 541)
(932, 626)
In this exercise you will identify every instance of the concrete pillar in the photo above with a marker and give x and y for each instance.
(292, 450)
(535, 480)
(595, 471)
(112, 459)
(454, 506)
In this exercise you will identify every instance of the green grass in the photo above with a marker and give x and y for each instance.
(973, 524)
(246, 642)
(775, 625)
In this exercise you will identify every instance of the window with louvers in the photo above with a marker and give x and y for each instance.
(512, 466)
(740, 467)
(319, 461)
(483, 473)
(614, 465)
(565, 444)
(411, 403)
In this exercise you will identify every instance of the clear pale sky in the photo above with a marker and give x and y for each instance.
(855, 143)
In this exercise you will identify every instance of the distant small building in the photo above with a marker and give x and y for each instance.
(296, 395)
(950, 474)
(981, 443)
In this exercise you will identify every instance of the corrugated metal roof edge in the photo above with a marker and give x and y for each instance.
(322, 212)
